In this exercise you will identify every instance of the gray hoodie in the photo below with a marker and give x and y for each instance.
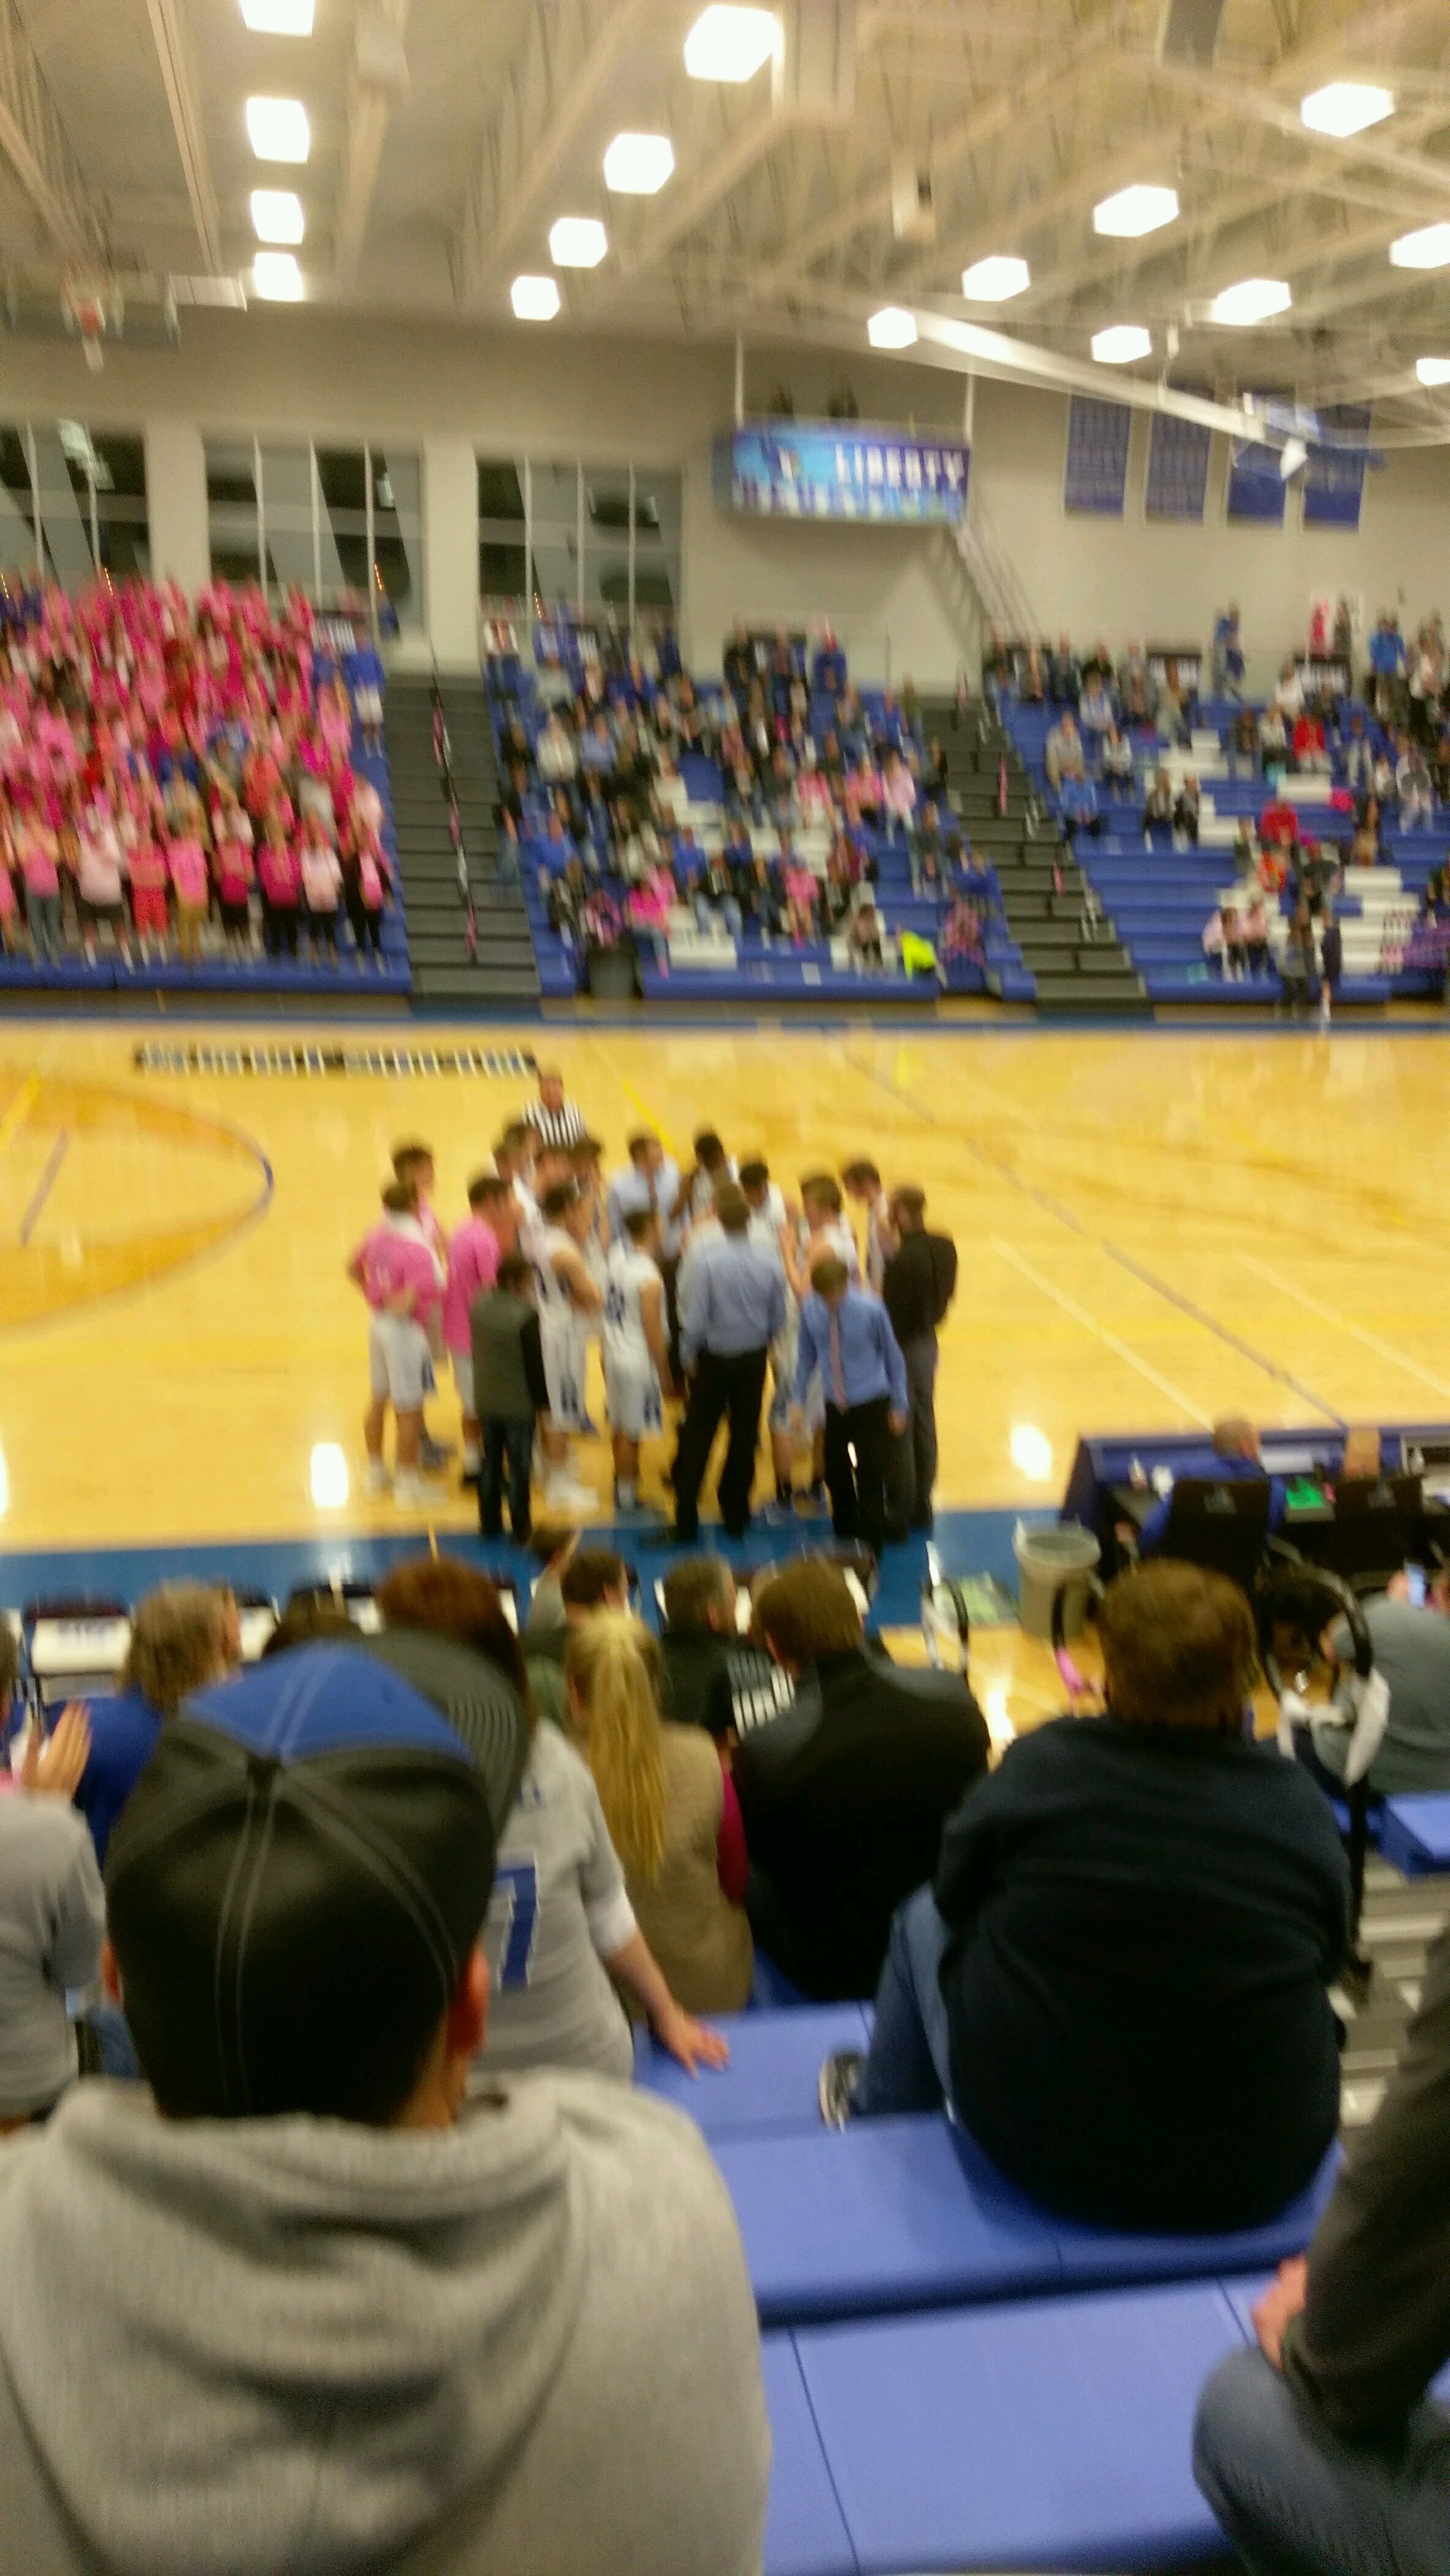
(523, 2347)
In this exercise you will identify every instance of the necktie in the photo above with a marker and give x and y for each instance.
(838, 1374)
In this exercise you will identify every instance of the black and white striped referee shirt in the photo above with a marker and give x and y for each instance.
(562, 1126)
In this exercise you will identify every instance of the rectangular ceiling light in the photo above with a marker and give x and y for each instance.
(278, 17)
(996, 280)
(637, 165)
(727, 44)
(1427, 248)
(276, 277)
(1254, 299)
(1345, 107)
(577, 241)
(277, 215)
(1135, 211)
(534, 299)
(277, 129)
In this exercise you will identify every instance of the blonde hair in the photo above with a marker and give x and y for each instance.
(178, 1642)
(612, 1665)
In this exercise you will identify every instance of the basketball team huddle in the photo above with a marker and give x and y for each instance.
(554, 1256)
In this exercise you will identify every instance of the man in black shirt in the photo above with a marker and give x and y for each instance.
(714, 1677)
(844, 1794)
(919, 1285)
(1121, 1979)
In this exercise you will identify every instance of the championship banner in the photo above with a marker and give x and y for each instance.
(1178, 452)
(1095, 477)
(827, 469)
(1255, 484)
(1334, 482)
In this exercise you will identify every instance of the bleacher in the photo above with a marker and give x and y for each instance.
(1160, 897)
(715, 965)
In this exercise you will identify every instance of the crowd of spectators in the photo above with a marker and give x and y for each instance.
(810, 785)
(178, 777)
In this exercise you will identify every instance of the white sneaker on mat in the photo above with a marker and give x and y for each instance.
(411, 1494)
(565, 1495)
(377, 1479)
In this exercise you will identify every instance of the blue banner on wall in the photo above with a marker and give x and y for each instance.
(1334, 485)
(827, 469)
(1095, 479)
(1255, 485)
(1178, 452)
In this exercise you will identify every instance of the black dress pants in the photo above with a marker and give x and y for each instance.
(858, 1492)
(720, 1387)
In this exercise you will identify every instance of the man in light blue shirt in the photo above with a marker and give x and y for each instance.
(846, 1334)
(732, 1307)
(651, 1179)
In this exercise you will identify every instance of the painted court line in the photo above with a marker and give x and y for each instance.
(1341, 1323)
(45, 1185)
(18, 1110)
(1100, 1333)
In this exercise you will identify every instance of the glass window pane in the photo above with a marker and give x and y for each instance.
(658, 505)
(17, 514)
(119, 466)
(287, 516)
(500, 488)
(125, 547)
(553, 574)
(65, 503)
(342, 476)
(556, 496)
(653, 586)
(502, 572)
(398, 532)
(606, 500)
(234, 557)
(231, 471)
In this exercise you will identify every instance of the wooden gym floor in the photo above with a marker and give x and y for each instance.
(1154, 1229)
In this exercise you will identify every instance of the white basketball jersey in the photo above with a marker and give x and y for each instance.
(766, 1222)
(630, 1270)
(554, 1297)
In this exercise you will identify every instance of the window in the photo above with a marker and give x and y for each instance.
(336, 521)
(599, 539)
(72, 501)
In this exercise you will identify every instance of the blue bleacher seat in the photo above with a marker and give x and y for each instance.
(805, 2533)
(770, 2082)
(1051, 2433)
(906, 2213)
(1415, 1834)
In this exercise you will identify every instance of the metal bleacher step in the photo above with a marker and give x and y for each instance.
(504, 969)
(1095, 989)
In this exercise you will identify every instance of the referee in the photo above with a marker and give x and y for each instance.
(731, 1311)
(554, 1119)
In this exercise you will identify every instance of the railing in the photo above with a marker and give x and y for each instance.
(993, 575)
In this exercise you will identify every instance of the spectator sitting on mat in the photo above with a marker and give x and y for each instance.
(1119, 1977)
(844, 1793)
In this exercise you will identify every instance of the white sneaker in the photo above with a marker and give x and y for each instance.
(377, 1479)
(565, 1495)
(411, 1494)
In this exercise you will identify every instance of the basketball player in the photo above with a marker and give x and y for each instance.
(401, 1277)
(413, 1167)
(568, 1299)
(862, 1183)
(636, 1348)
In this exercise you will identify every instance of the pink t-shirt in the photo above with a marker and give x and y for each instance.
(39, 868)
(394, 1257)
(278, 873)
(188, 871)
(233, 871)
(321, 877)
(473, 1258)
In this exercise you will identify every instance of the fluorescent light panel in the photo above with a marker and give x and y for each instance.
(637, 165)
(1121, 344)
(276, 277)
(1346, 107)
(277, 215)
(1135, 211)
(891, 328)
(278, 17)
(277, 129)
(534, 299)
(1254, 299)
(1433, 371)
(729, 44)
(577, 241)
(1427, 248)
(995, 280)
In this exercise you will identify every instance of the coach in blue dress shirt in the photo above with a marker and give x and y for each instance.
(846, 1334)
(732, 1306)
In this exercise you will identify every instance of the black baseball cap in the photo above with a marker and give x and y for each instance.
(302, 1870)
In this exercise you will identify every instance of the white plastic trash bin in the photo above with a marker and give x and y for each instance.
(1045, 1559)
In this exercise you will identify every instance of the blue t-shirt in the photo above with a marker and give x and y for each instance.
(123, 1737)
(1219, 1471)
(362, 668)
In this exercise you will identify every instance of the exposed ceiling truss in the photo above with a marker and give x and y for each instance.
(35, 143)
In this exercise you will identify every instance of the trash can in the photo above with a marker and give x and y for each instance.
(1047, 1558)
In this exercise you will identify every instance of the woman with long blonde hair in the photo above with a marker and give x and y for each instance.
(670, 1810)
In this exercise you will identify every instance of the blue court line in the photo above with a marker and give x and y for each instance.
(1063, 1216)
(44, 1186)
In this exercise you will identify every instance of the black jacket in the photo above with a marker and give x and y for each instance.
(727, 1686)
(1376, 2328)
(844, 1796)
(1144, 1922)
(919, 1284)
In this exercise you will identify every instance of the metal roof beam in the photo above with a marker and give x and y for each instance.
(36, 145)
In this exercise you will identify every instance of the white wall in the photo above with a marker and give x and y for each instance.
(453, 391)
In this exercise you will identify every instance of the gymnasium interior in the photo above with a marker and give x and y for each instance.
(798, 603)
